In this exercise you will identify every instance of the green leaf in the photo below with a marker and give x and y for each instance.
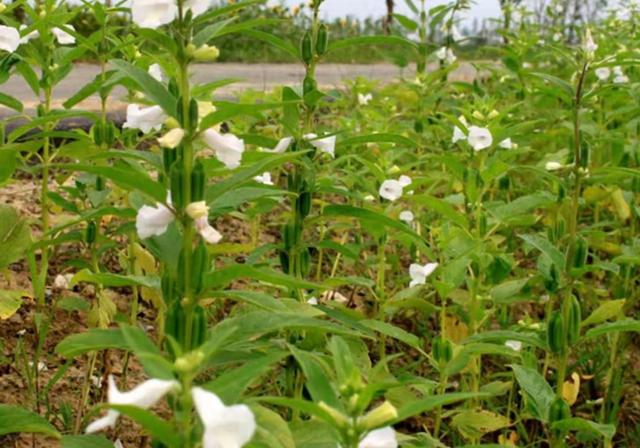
(15, 236)
(443, 208)
(272, 430)
(148, 353)
(423, 405)
(581, 425)
(152, 88)
(127, 178)
(612, 327)
(114, 280)
(548, 249)
(92, 340)
(8, 163)
(230, 385)
(225, 276)
(537, 389)
(503, 336)
(11, 102)
(607, 310)
(394, 332)
(86, 441)
(318, 381)
(474, 424)
(508, 292)
(10, 302)
(226, 111)
(160, 430)
(16, 419)
(406, 22)
(371, 40)
(399, 140)
(274, 41)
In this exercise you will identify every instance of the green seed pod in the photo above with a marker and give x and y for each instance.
(303, 204)
(97, 131)
(306, 49)
(168, 288)
(193, 114)
(173, 87)
(574, 320)
(556, 333)
(180, 112)
(91, 233)
(197, 182)
(418, 126)
(442, 350)
(552, 281)
(305, 262)
(559, 410)
(290, 235)
(323, 40)
(284, 261)
(199, 265)
(309, 85)
(585, 153)
(109, 134)
(100, 183)
(177, 186)
(199, 332)
(562, 193)
(168, 158)
(180, 280)
(580, 252)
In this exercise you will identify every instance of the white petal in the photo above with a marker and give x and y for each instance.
(407, 216)
(9, 38)
(264, 178)
(153, 13)
(479, 138)
(506, 144)
(207, 231)
(32, 35)
(224, 426)
(380, 438)
(282, 146)
(405, 181)
(156, 72)
(197, 7)
(144, 119)
(391, 190)
(153, 221)
(144, 395)
(228, 147)
(514, 345)
(106, 422)
(458, 135)
(326, 144)
(63, 37)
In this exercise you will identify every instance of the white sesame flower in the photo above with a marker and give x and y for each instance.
(364, 99)
(63, 37)
(207, 231)
(197, 7)
(479, 138)
(514, 345)
(22, 332)
(27, 37)
(391, 190)
(621, 79)
(380, 438)
(312, 301)
(506, 144)
(197, 210)
(264, 178)
(325, 144)
(458, 134)
(553, 166)
(603, 73)
(589, 45)
(153, 221)
(405, 181)
(407, 216)
(171, 139)
(282, 146)
(446, 55)
(334, 296)
(153, 13)
(156, 72)
(145, 119)
(142, 396)
(227, 147)
(9, 38)
(419, 273)
(224, 426)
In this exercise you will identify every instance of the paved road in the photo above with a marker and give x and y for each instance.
(250, 76)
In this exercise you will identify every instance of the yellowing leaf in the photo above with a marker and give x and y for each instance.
(454, 329)
(571, 389)
(10, 302)
(510, 440)
(620, 205)
(607, 310)
(475, 424)
(144, 259)
(595, 194)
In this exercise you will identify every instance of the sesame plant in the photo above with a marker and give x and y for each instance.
(426, 262)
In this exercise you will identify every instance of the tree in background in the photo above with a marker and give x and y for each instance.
(389, 18)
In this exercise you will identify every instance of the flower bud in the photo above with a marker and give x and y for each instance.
(197, 210)
(379, 416)
(171, 139)
(171, 123)
(341, 420)
(206, 53)
(189, 362)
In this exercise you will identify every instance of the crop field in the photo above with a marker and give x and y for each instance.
(448, 257)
